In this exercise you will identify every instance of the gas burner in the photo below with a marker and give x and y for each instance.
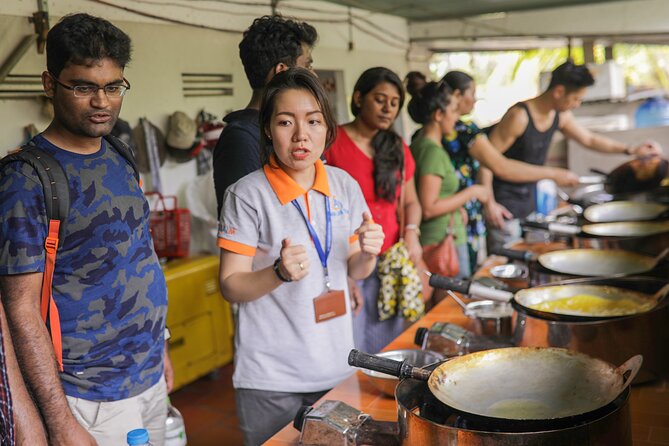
(337, 423)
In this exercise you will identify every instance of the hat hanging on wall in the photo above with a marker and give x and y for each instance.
(182, 145)
(141, 153)
(123, 131)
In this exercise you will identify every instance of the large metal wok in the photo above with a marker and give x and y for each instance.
(612, 339)
(423, 420)
(590, 262)
(577, 300)
(523, 384)
(616, 211)
(642, 237)
(612, 229)
(637, 175)
(584, 301)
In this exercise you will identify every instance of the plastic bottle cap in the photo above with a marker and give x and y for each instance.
(420, 336)
(138, 437)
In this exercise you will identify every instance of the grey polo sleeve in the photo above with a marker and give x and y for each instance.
(238, 225)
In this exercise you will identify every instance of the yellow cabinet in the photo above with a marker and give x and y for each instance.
(198, 317)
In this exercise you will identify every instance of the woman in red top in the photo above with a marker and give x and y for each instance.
(363, 149)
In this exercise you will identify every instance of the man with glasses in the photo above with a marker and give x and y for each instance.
(108, 286)
(525, 132)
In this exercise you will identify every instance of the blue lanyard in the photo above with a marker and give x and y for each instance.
(323, 254)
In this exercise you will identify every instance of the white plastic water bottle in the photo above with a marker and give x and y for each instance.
(175, 429)
(138, 437)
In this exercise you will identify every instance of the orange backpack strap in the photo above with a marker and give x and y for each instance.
(47, 304)
(57, 206)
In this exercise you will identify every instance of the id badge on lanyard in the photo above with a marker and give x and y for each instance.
(331, 303)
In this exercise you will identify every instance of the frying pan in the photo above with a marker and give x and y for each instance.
(539, 299)
(614, 301)
(625, 211)
(517, 383)
(590, 262)
(613, 229)
(637, 175)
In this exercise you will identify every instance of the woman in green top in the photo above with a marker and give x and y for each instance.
(473, 156)
(437, 182)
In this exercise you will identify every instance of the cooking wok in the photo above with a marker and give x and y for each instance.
(589, 262)
(641, 237)
(625, 211)
(615, 302)
(637, 175)
(517, 383)
(575, 302)
(613, 229)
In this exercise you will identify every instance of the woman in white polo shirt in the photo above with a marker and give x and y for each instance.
(289, 235)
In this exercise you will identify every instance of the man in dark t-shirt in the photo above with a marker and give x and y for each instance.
(271, 44)
(524, 133)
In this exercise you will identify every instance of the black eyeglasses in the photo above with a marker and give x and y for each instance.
(86, 91)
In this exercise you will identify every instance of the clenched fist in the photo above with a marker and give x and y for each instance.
(294, 264)
(370, 236)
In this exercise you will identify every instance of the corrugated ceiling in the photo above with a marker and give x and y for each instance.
(422, 10)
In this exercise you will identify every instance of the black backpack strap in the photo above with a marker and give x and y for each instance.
(53, 179)
(125, 151)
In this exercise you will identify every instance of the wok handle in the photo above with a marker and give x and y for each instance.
(470, 288)
(485, 292)
(448, 283)
(536, 224)
(661, 256)
(629, 369)
(400, 369)
(513, 254)
(555, 228)
(598, 172)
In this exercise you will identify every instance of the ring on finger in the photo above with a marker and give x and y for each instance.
(301, 266)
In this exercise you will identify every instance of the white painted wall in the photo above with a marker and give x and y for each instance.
(163, 50)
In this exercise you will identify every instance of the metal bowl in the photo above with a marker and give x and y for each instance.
(509, 271)
(387, 383)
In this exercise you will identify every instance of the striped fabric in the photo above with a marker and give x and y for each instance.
(6, 417)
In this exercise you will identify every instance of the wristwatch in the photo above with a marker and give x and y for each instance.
(278, 272)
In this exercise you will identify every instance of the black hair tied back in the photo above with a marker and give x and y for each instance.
(388, 164)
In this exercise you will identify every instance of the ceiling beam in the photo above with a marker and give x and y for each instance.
(631, 17)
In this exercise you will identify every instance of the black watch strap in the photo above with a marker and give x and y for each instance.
(278, 272)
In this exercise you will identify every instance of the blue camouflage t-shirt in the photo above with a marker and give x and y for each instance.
(108, 285)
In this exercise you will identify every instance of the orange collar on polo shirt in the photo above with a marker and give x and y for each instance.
(286, 189)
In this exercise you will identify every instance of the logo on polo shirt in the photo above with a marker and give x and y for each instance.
(227, 230)
(337, 208)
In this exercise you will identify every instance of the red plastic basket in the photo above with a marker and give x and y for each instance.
(170, 226)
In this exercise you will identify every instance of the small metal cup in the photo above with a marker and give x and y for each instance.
(491, 319)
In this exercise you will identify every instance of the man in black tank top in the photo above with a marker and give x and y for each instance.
(524, 133)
